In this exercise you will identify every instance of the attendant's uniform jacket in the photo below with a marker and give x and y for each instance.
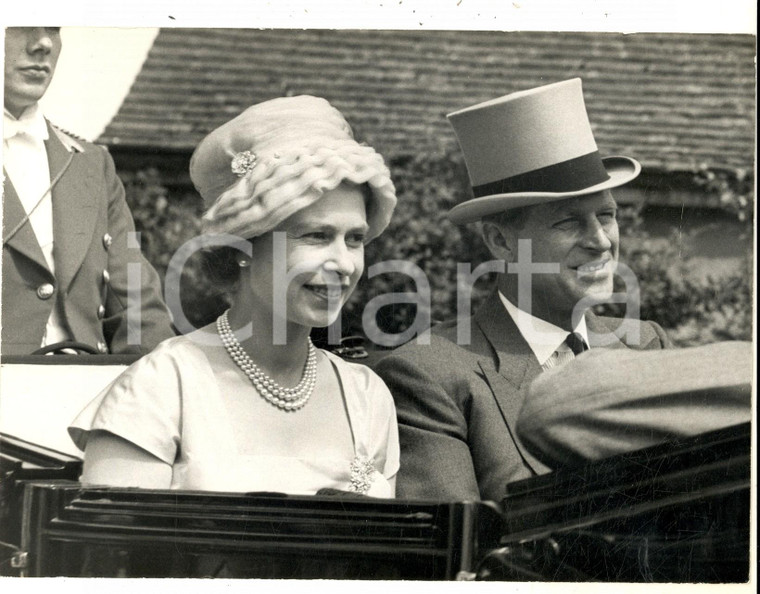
(92, 256)
(457, 406)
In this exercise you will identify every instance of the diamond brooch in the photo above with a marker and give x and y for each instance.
(243, 162)
(361, 475)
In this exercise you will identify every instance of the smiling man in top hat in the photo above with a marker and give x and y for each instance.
(542, 195)
(71, 268)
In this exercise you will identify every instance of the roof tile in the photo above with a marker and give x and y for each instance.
(674, 101)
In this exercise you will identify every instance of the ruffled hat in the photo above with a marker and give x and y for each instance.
(531, 147)
(278, 157)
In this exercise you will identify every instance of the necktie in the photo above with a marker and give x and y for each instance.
(576, 343)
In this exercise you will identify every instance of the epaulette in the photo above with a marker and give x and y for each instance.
(69, 140)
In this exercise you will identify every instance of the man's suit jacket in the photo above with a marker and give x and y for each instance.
(458, 406)
(91, 222)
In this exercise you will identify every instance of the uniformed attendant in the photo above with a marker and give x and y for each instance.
(72, 267)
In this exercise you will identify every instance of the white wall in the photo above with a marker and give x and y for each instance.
(95, 72)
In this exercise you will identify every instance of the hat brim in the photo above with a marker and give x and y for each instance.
(620, 169)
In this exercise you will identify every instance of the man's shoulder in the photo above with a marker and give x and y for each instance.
(633, 333)
(437, 346)
(73, 142)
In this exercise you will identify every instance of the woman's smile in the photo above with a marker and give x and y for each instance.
(327, 292)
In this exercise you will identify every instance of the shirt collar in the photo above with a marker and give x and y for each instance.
(543, 338)
(31, 121)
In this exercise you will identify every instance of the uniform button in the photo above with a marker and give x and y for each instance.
(106, 277)
(101, 312)
(107, 240)
(102, 347)
(45, 291)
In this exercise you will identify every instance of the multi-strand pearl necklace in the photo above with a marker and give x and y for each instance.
(288, 399)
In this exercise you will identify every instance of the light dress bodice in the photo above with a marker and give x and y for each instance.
(175, 404)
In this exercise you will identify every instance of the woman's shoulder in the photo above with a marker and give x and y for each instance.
(357, 370)
(361, 376)
(193, 344)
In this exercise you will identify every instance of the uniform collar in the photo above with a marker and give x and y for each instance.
(31, 122)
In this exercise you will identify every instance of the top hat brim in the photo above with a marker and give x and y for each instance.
(620, 169)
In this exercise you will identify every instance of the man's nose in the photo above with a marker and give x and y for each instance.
(596, 236)
(39, 40)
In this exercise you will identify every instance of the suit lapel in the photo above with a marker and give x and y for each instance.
(517, 367)
(517, 363)
(74, 213)
(24, 239)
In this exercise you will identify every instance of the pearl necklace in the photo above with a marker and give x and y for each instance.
(288, 399)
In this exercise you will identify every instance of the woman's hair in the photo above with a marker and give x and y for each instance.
(221, 266)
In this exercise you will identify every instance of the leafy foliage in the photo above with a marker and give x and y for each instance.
(421, 234)
(733, 188)
(694, 310)
(166, 222)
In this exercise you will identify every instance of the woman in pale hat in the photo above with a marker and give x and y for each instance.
(248, 403)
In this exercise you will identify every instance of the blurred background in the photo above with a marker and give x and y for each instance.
(682, 104)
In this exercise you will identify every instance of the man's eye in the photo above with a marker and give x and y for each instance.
(355, 239)
(607, 216)
(564, 223)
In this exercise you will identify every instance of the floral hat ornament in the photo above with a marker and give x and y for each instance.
(278, 157)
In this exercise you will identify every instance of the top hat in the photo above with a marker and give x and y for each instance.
(531, 147)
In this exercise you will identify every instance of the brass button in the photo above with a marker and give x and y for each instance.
(101, 312)
(107, 240)
(102, 347)
(45, 291)
(106, 277)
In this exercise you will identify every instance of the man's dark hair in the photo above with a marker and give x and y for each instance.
(513, 217)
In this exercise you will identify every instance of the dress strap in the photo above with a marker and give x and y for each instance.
(363, 474)
(345, 403)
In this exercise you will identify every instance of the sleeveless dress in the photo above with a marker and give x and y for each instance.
(174, 404)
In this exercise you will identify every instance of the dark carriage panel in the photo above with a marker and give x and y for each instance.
(677, 512)
(22, 461)
(138, 533)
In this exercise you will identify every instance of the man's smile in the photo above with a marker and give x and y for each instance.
(595, 267)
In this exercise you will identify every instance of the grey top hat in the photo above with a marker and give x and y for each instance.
(530, 147)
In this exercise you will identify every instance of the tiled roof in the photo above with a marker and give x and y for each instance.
(674, 101)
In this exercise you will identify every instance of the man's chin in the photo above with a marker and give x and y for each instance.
(593, 298)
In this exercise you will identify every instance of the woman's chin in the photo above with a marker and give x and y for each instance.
(319, 317)
(327, 319)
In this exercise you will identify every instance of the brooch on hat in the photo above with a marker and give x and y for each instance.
(243, 163)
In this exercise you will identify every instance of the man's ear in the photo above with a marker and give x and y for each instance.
(499, 240)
